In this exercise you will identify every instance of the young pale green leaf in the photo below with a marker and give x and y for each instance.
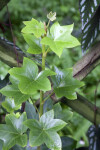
(33, 43)
(30, 80)
(14, 92)
(60, 38)
(51, 16)
(44, 131)
(63, 114)
(35, 27)
(65, 84)
(11, 133)
(10, 105)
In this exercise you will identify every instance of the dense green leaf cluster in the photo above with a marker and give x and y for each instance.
(29, 79)
(67, 12)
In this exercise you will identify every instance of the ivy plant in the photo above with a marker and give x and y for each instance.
(33, 84)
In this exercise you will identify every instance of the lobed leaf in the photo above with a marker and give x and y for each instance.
(60, 38)
(29, 79)
(9, 105)
(35, 27)
(11, 133)
(14, 92)
(44, 131)
(33, 42)
(65, 84)
(63, 114)
(52, 140)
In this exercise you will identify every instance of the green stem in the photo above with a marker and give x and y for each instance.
(47, 50)
(48, 24)
(41, 92)
(43, 68)
(43, 57)
(48, 96)
(41, 103)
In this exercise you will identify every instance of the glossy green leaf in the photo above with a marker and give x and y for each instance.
(33, 43)
(52, 140)
(65, 84)
(48, 105)
(48, 123)
(30, 80)
(11, 133)
(10, 105)
(14, 92)
(17, 147)
(44, 131)
(68, 143)
(63, 114)
(4, 82)
(35, 27)
(36, 134)
(30, 111)
(60, 38)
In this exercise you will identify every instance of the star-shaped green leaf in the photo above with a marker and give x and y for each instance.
(29, 79)
(11, 133)
(65, 84)
(35, 27)
(45, 131)
(60, 38)
(14, 92)
(33, 42)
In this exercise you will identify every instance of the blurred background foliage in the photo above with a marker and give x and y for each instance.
(67, 13)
